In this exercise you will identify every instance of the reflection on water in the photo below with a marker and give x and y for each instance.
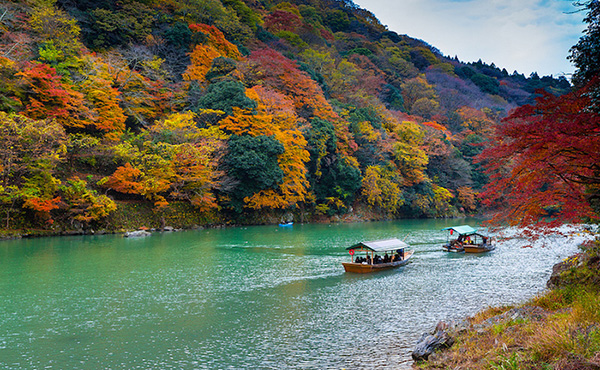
(256, 297)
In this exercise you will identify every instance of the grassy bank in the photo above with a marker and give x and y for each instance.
(559, 329)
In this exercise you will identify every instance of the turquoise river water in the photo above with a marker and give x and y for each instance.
(260, 297)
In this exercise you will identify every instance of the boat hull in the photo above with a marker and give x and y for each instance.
(361, 268)
(453, 249)
(478, 248)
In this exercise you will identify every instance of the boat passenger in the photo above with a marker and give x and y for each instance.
(386, 258)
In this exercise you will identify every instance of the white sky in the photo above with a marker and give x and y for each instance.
(522, 35)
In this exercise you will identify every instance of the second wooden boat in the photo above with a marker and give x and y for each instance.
(468, 240)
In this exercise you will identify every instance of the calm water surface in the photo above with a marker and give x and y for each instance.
(245, 298)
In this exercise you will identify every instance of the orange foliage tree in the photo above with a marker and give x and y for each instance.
(102, 99)
(46, 96)
(292, 161)
(216, 45)
(269, 68)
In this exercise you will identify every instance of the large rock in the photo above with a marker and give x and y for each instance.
(555, 280)
(430, 343)
(136, 234)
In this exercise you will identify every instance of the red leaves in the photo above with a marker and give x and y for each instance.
(48, 97)
(545, 162)
(126, 179)
(42, 205)
(281, 20)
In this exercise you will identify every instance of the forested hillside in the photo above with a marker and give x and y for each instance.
(209, 111)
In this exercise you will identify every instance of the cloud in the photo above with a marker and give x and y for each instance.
(522, 35)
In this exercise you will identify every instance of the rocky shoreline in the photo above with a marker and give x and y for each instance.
(559, 329)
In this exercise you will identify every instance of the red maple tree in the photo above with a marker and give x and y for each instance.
(544, 163)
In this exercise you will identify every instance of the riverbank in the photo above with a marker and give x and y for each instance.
(559, 329)
(136, 215)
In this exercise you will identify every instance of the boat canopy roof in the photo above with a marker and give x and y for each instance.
(462, 230)
(380, 245)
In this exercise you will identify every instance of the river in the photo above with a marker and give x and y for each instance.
(260, 297)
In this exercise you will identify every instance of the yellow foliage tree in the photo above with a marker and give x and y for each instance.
(54, 25)
(380, 190)
(435, 205)
(410, 158)
(176, 160)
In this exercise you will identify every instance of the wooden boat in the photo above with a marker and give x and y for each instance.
(372, 261)
(468, 240)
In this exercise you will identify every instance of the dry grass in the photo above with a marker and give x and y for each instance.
(568, 337)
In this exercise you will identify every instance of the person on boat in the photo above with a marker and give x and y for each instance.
(386, 258)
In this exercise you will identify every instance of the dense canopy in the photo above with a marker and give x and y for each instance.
(239, 111)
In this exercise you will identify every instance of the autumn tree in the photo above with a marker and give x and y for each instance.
(283, 123)
(55, 26)
(408, 153)
(281, 20)
(544, 162)
(29, 155)
(102, 99)
(140, 86)
(83, 204)
(215, 45)
(252, 163)
(417, 89)
(476, 121)
(380, 190)
(173, 160)
(46, 96)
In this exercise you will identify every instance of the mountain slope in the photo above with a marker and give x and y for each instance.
(239, 109)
